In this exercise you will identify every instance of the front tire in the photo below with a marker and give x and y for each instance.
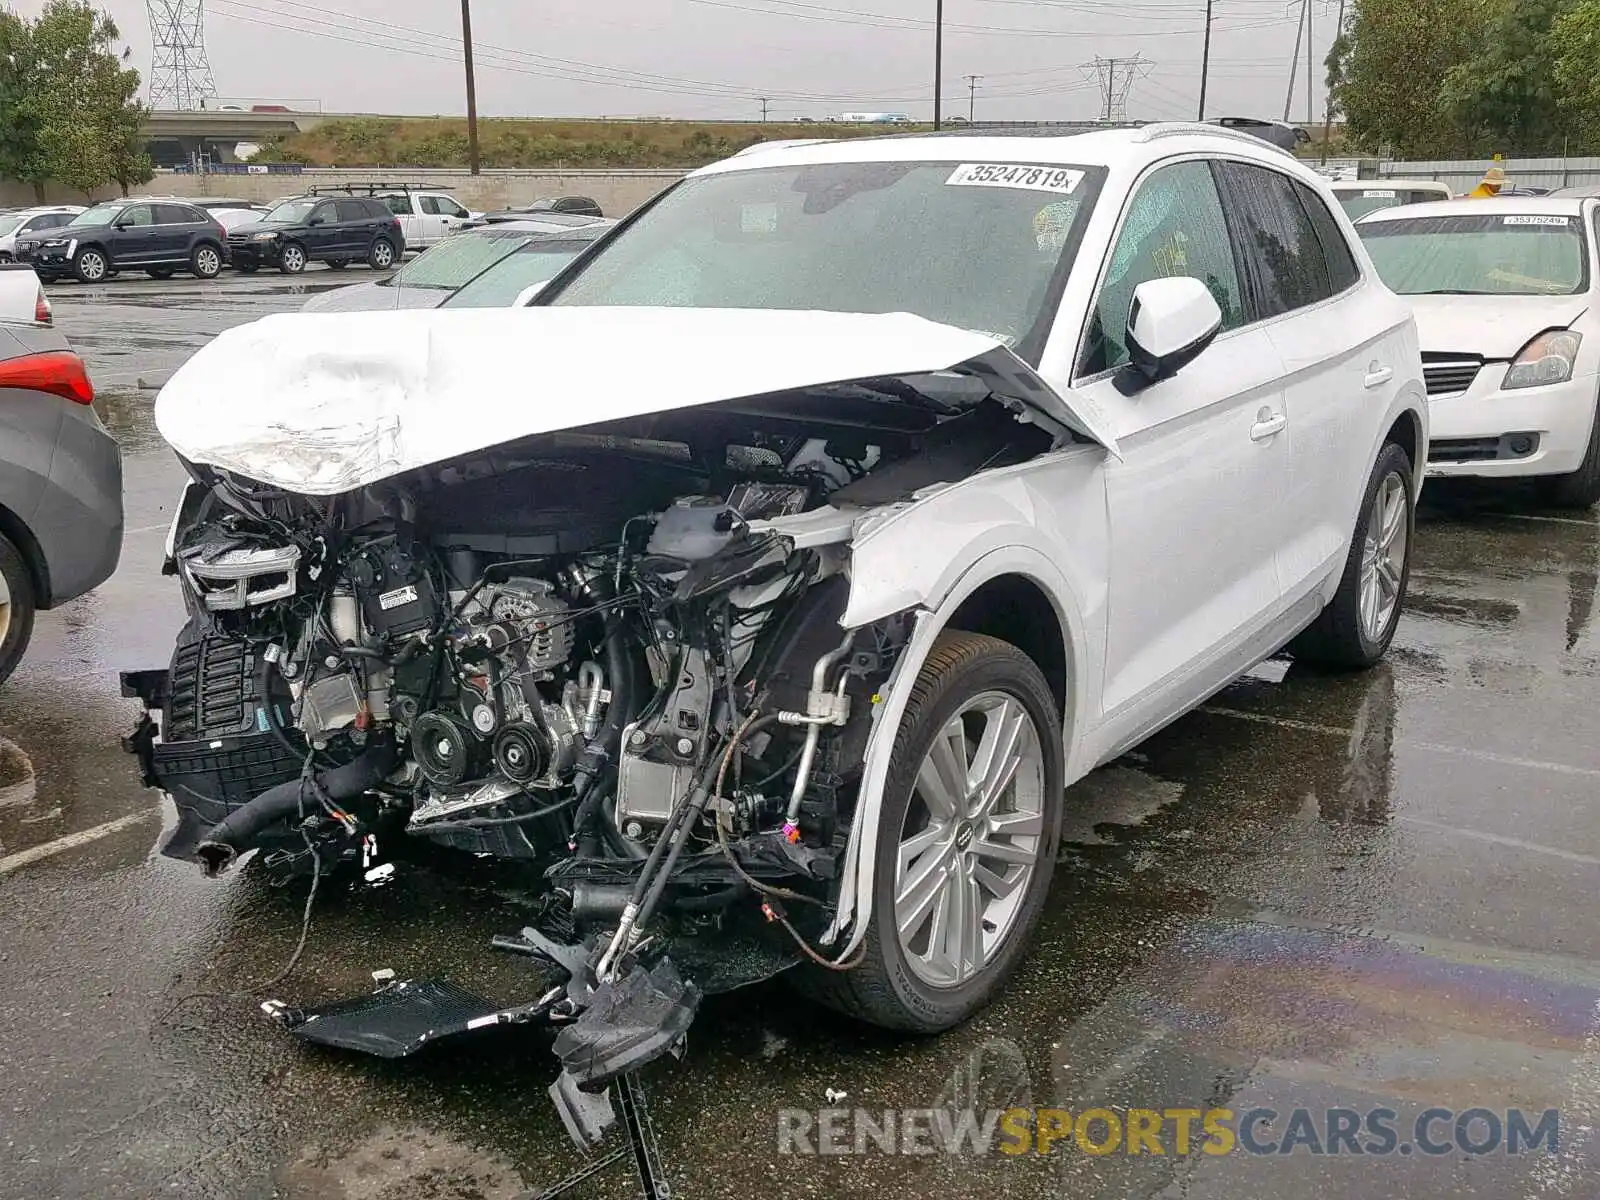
(206, 262)
(17, 603)
(381, 256)
(292, 259)
(1354, 631)
(971, 819)
(90, 265)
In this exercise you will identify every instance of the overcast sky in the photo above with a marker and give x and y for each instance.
(714, 58)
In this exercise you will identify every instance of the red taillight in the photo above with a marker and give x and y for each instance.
(41, 310)
(59, 372)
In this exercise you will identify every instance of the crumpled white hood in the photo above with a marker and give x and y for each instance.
(320, 403)
(1493, 326)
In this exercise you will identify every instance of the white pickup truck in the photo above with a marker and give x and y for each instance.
(426, 218)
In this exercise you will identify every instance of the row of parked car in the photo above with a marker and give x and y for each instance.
(162, 236)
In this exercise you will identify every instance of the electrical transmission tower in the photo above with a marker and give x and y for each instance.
(180, 76)
(1116, 76)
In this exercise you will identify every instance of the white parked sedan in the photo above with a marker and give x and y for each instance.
(1505, 293)
(804, 541)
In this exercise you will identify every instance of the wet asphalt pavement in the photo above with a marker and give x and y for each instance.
(1360, 891)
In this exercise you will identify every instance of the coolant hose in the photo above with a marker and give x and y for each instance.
(238, 831)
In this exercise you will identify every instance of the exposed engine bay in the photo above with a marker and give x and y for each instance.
(615, 651)
(616, 654)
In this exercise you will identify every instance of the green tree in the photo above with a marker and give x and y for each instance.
(1575, 42)
(81, 101)
(1505, 95)
(1390, 67)
(19, 124)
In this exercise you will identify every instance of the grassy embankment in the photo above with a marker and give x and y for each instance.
(442, 142)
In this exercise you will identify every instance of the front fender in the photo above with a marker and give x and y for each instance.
(856, 879)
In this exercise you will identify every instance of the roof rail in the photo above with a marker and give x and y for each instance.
(366, 189)
(779, 144)
(1161, 129)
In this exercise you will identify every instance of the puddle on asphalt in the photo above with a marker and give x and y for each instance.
(129, 415)
(17, 783)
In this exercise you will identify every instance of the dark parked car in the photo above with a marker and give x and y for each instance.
(1280, 133)
(60, 471)
(581, 206)
(160, 237)
(320, 229)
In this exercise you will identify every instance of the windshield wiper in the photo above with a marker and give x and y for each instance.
(1454, 292)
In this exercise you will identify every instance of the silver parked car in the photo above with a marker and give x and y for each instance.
(60, 471)
(430, 278)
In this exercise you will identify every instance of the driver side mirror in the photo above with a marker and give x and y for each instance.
(1170, 322)
(315, 221)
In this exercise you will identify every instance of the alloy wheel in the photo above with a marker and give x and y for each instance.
(92, 266)
(294, 259)
(1383, 556)
(382, 255)
(971, 840)
(5, 608)
(207, 261)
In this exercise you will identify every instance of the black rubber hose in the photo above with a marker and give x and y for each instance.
(264, 698)
(238, 831)
(622, 680)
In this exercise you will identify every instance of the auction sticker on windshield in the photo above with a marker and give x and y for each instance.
(1530, 219)
(1014, 175)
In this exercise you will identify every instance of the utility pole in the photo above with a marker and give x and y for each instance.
(472, 87)
(763, 100)
(972, 95)
(938, 59)
(1294, 59)
(1327, 100)
(1311, 84)
(1205, 61)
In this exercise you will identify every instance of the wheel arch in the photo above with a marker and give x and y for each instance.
(999, 594)
(1406, 431)
(20, 536)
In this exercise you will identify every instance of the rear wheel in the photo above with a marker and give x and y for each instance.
(90, 265)
(381, 256)
(160, 272)
(292, 259)
(206, 261)
(1355, 629)
(16, 607)
(967, 841)
(1581, 489)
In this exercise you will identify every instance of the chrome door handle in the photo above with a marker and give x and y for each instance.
(1268, 427)
(1377, 376)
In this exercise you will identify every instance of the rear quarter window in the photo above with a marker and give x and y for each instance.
(1342, 269)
